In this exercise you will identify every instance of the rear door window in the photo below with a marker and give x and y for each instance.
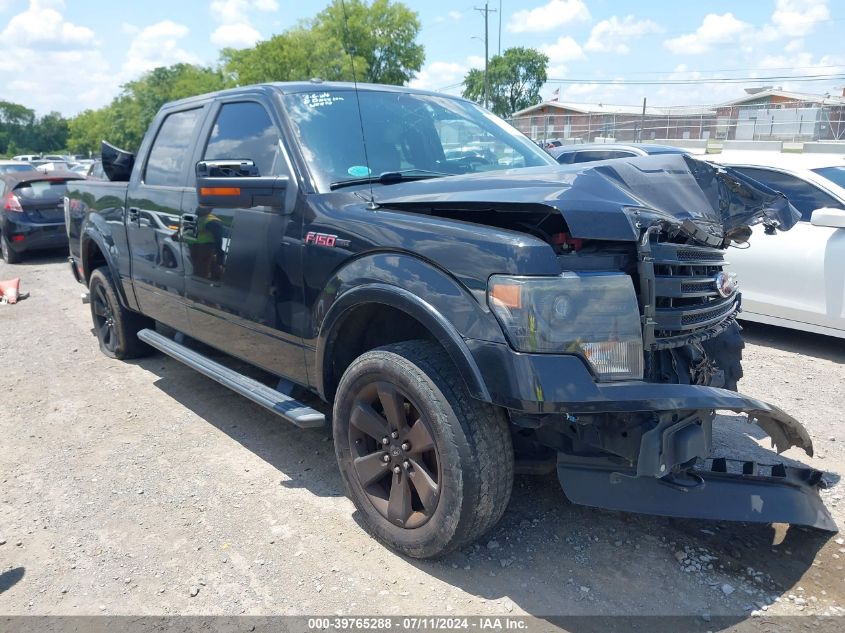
(244, 131)
(803, 195)
(171, 149)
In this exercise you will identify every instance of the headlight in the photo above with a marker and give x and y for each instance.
(594, 315)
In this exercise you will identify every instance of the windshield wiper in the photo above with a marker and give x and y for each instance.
(391, 177)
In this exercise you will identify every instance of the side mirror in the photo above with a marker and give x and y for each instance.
(236, 184)
(828, 216)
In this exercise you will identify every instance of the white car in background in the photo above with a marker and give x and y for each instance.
(795, 279)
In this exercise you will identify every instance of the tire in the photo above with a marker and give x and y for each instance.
(455, 472)
(9, 255)
(116, 327)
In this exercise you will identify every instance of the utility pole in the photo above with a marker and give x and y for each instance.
(499, 41)
(642, 122)
(486, 11)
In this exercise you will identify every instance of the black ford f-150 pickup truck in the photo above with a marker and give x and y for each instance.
(470, 307)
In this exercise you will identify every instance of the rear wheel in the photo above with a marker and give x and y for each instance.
(428, 468)
(9, 255)
(116, 327)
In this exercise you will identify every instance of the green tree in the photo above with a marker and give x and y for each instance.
(379, 38)
(514, 79)
(16, 123)
(50, 133)
(86, 130)
(383, 34)
(296, 55)
(125, 120)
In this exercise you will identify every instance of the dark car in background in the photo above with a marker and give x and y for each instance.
(569, 154)
(32, 212)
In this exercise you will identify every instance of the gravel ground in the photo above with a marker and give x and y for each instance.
(144, 488)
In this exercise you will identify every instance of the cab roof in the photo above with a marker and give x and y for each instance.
(295, 87)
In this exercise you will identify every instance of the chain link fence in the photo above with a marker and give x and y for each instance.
(581, 123)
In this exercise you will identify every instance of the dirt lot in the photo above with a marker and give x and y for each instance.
(144, 488)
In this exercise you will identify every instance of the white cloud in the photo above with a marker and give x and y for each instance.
(43, 27)
(235, 36)
(445, 76)
(236, 29)
(803, 60)
(235, 11)
(455, 15)
(157, 45)
(549, 16)
(557, 71)
(612, 35)
(794, 46)
(563, 50)
(715, 29)
(796, 18)
(49, 63)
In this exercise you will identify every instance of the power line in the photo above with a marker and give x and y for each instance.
(729, 70)
(700, 80)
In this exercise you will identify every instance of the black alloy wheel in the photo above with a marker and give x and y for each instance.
(394, 455)
(116, 327)
(428, 467)
(104, 323)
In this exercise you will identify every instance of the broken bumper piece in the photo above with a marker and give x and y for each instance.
(722, 490)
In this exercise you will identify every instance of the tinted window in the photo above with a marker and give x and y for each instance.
(171, 149)
(804, 196)
(244, 130)
(564, 158)
(41, 190)
(834, 174)
(600, 154)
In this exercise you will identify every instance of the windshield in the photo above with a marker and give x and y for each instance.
(834, 174)
(403, 132)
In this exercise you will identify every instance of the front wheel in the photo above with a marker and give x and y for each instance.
(116, 327)
(428, 468)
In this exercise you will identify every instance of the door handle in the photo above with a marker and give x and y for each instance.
(134, 214)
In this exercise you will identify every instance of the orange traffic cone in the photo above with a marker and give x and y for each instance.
(9, 290)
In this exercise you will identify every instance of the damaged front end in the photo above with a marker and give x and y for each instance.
(621, 351)
(647, 447)
(667, 469)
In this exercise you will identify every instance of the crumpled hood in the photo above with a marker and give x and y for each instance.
(611, 200)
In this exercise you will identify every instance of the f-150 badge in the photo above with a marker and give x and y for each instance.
(325, 239)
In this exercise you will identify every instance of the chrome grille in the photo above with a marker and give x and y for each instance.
(678, 294)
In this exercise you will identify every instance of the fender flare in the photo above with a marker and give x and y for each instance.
(401, 299)
(91, 234)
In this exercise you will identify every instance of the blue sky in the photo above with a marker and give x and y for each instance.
(68, 55)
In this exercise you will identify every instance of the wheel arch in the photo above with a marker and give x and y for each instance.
(358, 315)
(96, 253)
